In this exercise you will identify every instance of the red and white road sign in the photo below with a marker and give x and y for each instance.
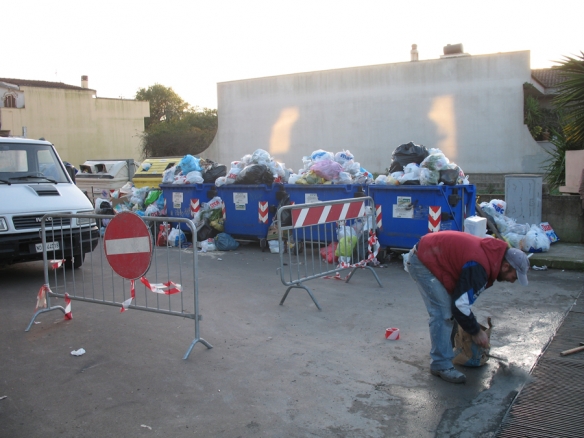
(127, 245)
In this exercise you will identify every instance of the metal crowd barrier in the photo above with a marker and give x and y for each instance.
(304, 230)
(169, 285)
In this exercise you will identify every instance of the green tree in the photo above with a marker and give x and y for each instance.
(190, 134)
(165, 104)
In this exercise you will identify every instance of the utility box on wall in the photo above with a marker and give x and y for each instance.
(523, 195)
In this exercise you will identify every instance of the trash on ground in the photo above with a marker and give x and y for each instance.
(392, 334)
(79, 352)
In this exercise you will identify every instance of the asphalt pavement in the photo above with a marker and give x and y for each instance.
(274, 370)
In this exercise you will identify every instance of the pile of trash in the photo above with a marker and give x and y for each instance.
(256, 168)
(414, 164)
(194, 170)
(526, 237)
(144, 201)
(323, 167)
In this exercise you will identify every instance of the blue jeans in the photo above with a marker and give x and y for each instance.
(438, 303)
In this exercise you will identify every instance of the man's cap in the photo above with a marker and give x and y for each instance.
(519, 261)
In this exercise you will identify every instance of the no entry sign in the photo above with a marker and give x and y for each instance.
(128, 246)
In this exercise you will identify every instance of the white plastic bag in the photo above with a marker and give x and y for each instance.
(221, 181)
(293, 178)
(208, 245)
(195, 177)
(168, 175)
(261, 156)
(344, 178)
(381, 180)
(321, 155)
(536, 240)
(232, 174)
(176, 237)
(343, 156)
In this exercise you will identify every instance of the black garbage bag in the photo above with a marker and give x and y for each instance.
(286, 216)
(449, 176)
(405, 154)
(214, 172)
(206, 232)
(255, 174)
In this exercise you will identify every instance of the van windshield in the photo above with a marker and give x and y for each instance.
(26, 163)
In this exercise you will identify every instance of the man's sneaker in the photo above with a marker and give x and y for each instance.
(451, 375)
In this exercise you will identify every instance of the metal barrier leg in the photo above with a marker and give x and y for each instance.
(300, 286)
(364, 267)
(202, 341)
(38, 312)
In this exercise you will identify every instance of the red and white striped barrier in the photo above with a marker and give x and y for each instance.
(327, 213)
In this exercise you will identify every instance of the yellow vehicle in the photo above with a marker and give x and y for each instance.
(150, 172)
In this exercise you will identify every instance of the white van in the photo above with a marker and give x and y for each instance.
(34, 182)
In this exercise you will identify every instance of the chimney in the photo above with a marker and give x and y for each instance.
(453, 49)
(414, 52)
(85, 81)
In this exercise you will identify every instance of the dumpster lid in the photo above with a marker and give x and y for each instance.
(105, 168)
(157, 166)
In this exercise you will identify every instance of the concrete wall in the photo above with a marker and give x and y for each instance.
(470, 107)
(81, 126)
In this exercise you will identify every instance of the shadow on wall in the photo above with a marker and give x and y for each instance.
(441, 114)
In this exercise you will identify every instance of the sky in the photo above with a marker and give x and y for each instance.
(192, 45)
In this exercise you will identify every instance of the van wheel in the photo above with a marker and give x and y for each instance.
(75, 262)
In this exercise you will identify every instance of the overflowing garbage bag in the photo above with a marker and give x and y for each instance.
(414, 164)
(255, 174)
(256, 168)
(353, 245)
(405, 154)
(324, 167)
(213, 171)
(209, 219)
(526, 237)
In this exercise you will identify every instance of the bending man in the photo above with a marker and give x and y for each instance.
(451, 269)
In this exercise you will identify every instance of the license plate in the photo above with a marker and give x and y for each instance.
(51, 246)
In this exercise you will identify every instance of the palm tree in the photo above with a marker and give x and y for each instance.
(570, 99)
(569, 103)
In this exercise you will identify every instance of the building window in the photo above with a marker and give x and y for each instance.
(10, 101)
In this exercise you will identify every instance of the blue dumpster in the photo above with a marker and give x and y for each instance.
(247, 210)
(183, 200)
(407, 212)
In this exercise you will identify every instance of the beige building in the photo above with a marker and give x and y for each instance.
(81, 125)
(471, 107)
